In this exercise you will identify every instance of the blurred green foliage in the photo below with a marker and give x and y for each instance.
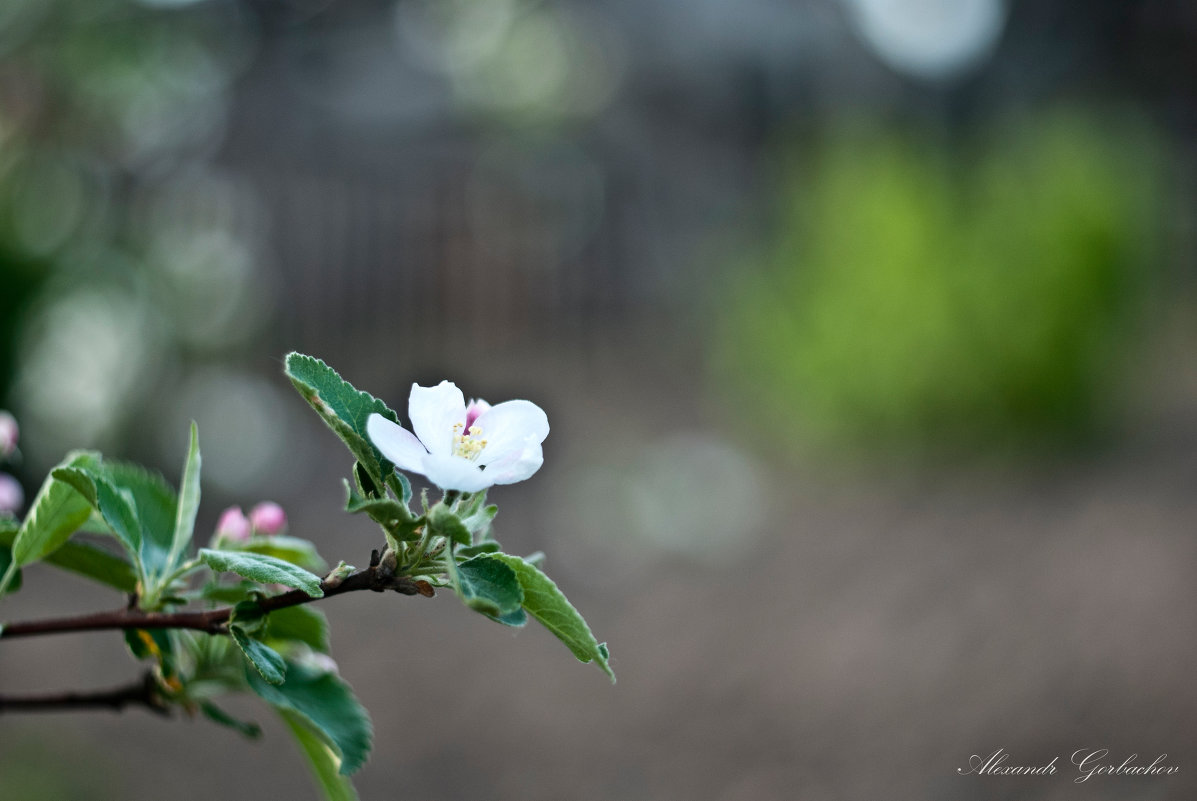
(926, 299)
(124, 252)
(20, 276)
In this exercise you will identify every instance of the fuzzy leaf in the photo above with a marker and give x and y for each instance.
(117, 508)
(217, 715)
(322, 758)
(300, 624)
(517, 619)
(477, 516)
(545, 602)
(265, 659)
(156, 504)
(248, 616)
(56, 513)
(489, 586)
(290, 549)
(327, 705)
(263, 569)
(401, 486)
(342, 407)
(95, 563)
(365, 484)
(388, 513)
(470, 551)
(189, 500)
(228, 593)
(445, 523)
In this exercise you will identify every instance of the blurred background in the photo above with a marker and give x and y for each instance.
(865, 328)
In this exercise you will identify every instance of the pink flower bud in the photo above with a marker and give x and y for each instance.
(12, 497)
(233, 525)
(9, 434)
(268, 518)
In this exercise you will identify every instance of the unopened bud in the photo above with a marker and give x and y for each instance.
(10, 432)
(337, 575)
(389, 562)
(12, 496)
(233, 525)
(268, 518)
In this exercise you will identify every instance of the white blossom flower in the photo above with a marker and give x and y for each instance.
(459, 447)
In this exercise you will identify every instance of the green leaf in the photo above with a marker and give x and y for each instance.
(477, 516)
(342, 407)
(365, 484)
(156, 505)
(489, 586)
(290, 549)
(327, 705)
(517, 619)
(228, 593)
(189, 500)
(445, 523)
(387, 512)
(156, 645)
(549, 605)
(248, 616)
(95, 563)
(116, 507)
(263, 569)
(146, 643)
(470, 551)
(265, 659)
(300, 624)
(479, 522)
(82, 558)
(322, 758)
(401, 486)
(56, 512)
(14, 583)
(217, 715)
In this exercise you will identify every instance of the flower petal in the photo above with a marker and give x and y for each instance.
(508, 427)
(396, 443)
(516, 465)
(474, 411)
(454, 472)
(433, 412)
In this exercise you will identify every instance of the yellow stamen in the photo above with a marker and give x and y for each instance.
(467, 446)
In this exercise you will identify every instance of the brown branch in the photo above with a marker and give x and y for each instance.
(214, 621)
(139, 693)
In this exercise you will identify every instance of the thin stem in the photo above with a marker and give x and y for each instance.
(9, 573)
(215, 621)
(182, 570)
(139, 693)
(421, 548)
(164, 585)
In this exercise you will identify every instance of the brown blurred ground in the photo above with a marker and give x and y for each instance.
(862, 642)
